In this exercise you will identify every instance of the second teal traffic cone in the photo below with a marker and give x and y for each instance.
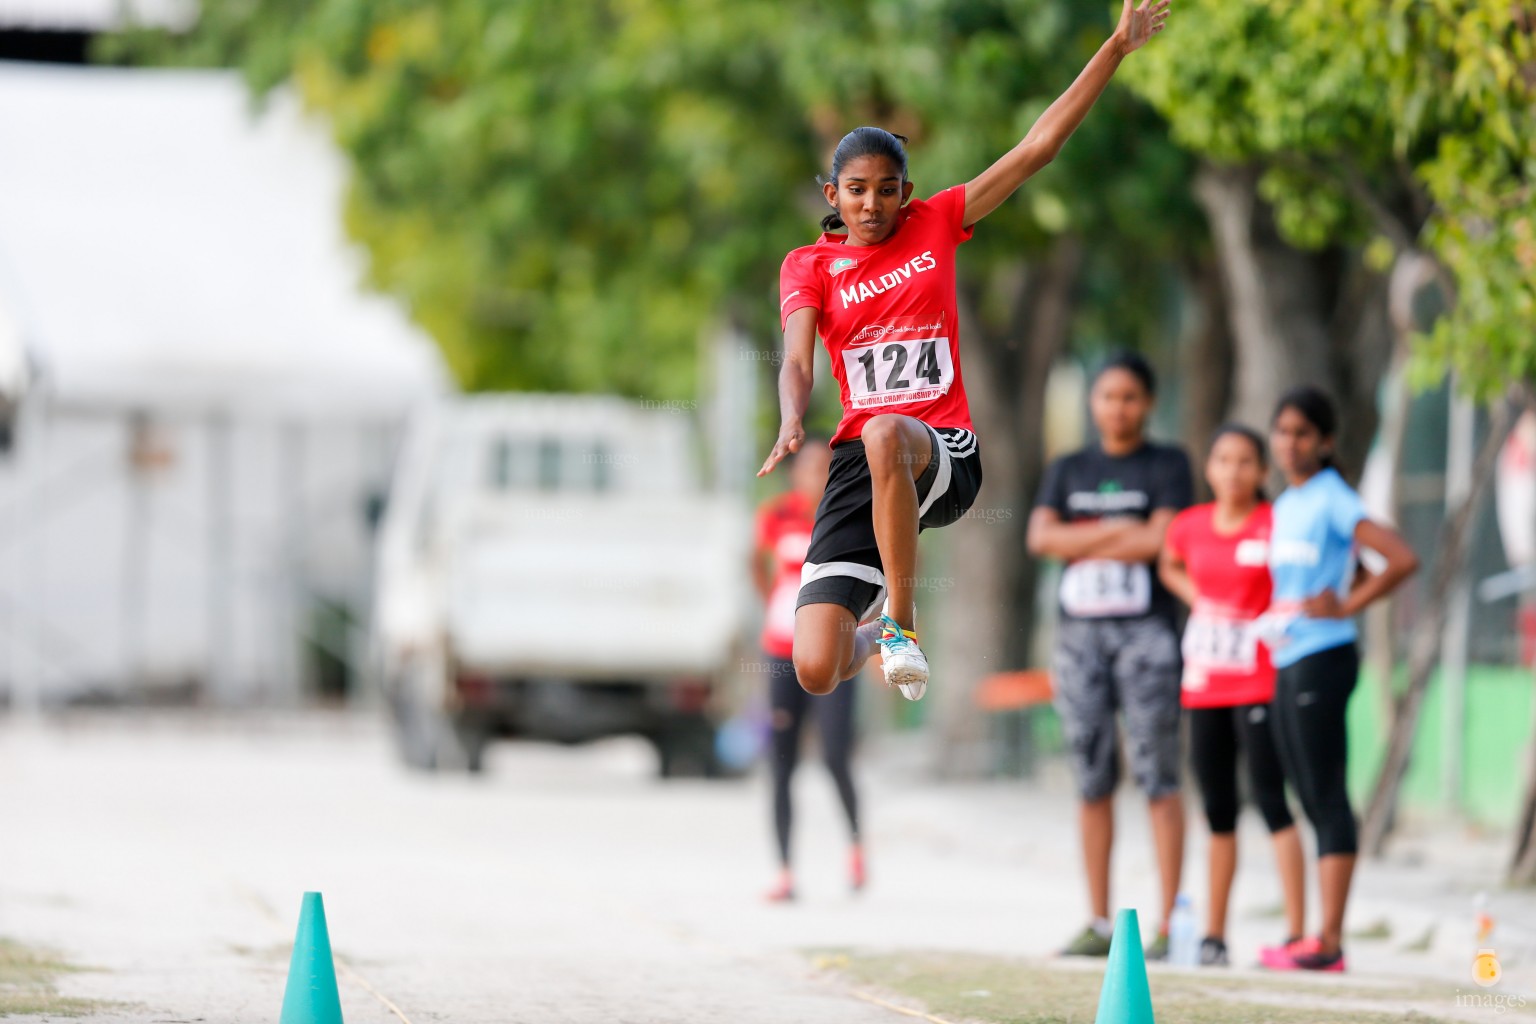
(1125, 997)
(311, 996)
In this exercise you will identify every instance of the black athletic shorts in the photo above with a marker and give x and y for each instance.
(843, 563)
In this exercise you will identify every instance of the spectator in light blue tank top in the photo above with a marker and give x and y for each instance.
(1319, 523)
(1312, 550)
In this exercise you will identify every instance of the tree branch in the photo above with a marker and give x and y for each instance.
(1429, 635)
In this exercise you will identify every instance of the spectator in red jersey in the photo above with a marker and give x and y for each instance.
(784, 527)
(1216, 560)
(882, 298)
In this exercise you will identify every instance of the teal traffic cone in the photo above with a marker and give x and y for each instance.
(311, 996)
(1125, 997)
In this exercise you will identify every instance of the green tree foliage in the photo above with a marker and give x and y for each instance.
(565, 194)
(568, 194)
(1395, 124)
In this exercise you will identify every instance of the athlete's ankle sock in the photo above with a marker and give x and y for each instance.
(1103, 927)
(865, 639)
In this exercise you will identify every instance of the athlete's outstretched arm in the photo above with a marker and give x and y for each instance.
(795, 379)
(990, 188)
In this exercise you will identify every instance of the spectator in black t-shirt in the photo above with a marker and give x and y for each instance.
(1103, 511)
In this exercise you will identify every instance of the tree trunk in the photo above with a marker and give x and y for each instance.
(1296, 317)
(1411, 273)
(1274, 293)
(986, 610)
(1522, 866)
(1425, 653)
(1205, 364)
(1381, 647)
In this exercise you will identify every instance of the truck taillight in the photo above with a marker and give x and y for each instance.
(475, 688)
(690, 695)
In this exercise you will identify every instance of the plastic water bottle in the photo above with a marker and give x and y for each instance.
(1482, 919)
(1183, 940)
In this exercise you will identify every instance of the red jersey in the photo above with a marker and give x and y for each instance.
(887, 315)
(1225, 663)
(784, 530)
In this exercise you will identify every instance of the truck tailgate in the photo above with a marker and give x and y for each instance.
(593, 586)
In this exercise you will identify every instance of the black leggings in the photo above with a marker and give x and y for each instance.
(1310, 699)
(1216, 735)
(834, 711)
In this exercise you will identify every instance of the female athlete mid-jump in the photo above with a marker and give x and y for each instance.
(882, 298)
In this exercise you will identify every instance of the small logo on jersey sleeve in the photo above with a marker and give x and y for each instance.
(841, 264)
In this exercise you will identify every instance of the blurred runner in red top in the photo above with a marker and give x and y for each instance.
(1216, 559)
(783, 535)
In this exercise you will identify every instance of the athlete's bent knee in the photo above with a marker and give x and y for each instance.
(819, 686)
(883, 442)
(816, 675)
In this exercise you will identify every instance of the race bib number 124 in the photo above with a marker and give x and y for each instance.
(898, 368)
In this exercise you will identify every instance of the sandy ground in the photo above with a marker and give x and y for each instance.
(169, 854)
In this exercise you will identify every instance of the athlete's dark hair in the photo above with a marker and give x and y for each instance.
(1253, 437)
(864, 141)
(1316, 408)
(1132, 364)
(1248, 434)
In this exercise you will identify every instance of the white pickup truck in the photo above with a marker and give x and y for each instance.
(551, 568)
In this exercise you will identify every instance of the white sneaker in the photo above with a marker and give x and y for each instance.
(905, 666)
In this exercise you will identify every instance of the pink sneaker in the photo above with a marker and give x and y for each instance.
(1332, 963)
(1283, 957)
(783, 890)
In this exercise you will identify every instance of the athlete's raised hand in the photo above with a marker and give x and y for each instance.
(791, 437)
(1140, 23)
(987, 191)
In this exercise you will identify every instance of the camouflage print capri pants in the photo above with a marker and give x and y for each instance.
(1131, 666)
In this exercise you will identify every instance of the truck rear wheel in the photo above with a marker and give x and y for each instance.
(430, 740)
(685, 749)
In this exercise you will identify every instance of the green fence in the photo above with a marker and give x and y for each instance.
(1498, 731)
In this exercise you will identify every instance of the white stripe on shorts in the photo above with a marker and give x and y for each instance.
(961, 442)
(940, 479)
(818, 570)
(815, 571)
